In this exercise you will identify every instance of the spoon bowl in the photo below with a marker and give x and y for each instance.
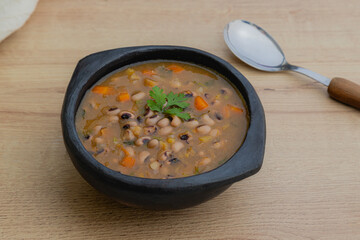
(254, 46)
(243, 39)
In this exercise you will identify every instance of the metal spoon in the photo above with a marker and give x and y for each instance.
(256, 47)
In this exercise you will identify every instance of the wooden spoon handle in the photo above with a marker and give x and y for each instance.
(345, 91)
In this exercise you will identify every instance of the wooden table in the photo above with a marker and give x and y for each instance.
(309, 185)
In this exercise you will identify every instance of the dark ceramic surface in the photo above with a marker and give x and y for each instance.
(161, 193)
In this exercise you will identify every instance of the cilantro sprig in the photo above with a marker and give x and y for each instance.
(171, 103)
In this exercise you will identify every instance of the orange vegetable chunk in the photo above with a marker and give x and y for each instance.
(231, 108)
(175, 68)
(200, 103)
(128, 162)
(104, 90)
(148, 72)
(235, 109)
(123, 97)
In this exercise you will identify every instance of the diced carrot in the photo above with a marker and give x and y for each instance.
(230, 108)
(175, 68)
(123, 97)
(235, 109)
(200, 103)
(128, 162)
(104, 90)
(148, 72)
(149, 83)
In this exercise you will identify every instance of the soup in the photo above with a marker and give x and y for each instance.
(162, 119)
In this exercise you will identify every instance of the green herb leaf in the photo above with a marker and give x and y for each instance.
(159, 96)
(178, 112)
(154, 106)
(172, 104)
(177, 100)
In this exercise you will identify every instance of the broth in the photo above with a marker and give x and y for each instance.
(193, 121)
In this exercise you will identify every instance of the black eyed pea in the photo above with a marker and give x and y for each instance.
(138, 96)
(207, 119)
(113, 119)
(203, 129)
(141, 141)
(128, 135)
(175, 121)
(148, 112)
(225, 91)
(150, 130)
(150, 121)
(113, 111)
(153, 143)
(165, 155)
(132, 124)
(177, 146)
(165, 130)
(186, 136)
(143, 156)
(214, 132)
(126, 115)
(163, 122)
(192, 123)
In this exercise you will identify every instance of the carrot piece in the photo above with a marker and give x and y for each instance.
(149, 83)
(128, 162)
(175, 68)
(230, 108)
(200, 103)
(104, 90)
(123, 97)
(148, 72)
(235, 109)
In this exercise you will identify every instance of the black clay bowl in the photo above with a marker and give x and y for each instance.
(161, 193)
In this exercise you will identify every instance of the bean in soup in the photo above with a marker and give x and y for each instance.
(162, 119)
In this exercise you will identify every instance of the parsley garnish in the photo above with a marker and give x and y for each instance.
(171, 103)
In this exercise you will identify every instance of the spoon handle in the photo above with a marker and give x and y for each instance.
(345, 91)
(318, 77)
(340, 89)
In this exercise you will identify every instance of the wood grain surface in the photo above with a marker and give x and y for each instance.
(309, 186)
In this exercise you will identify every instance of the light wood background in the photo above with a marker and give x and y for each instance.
(309, 186)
